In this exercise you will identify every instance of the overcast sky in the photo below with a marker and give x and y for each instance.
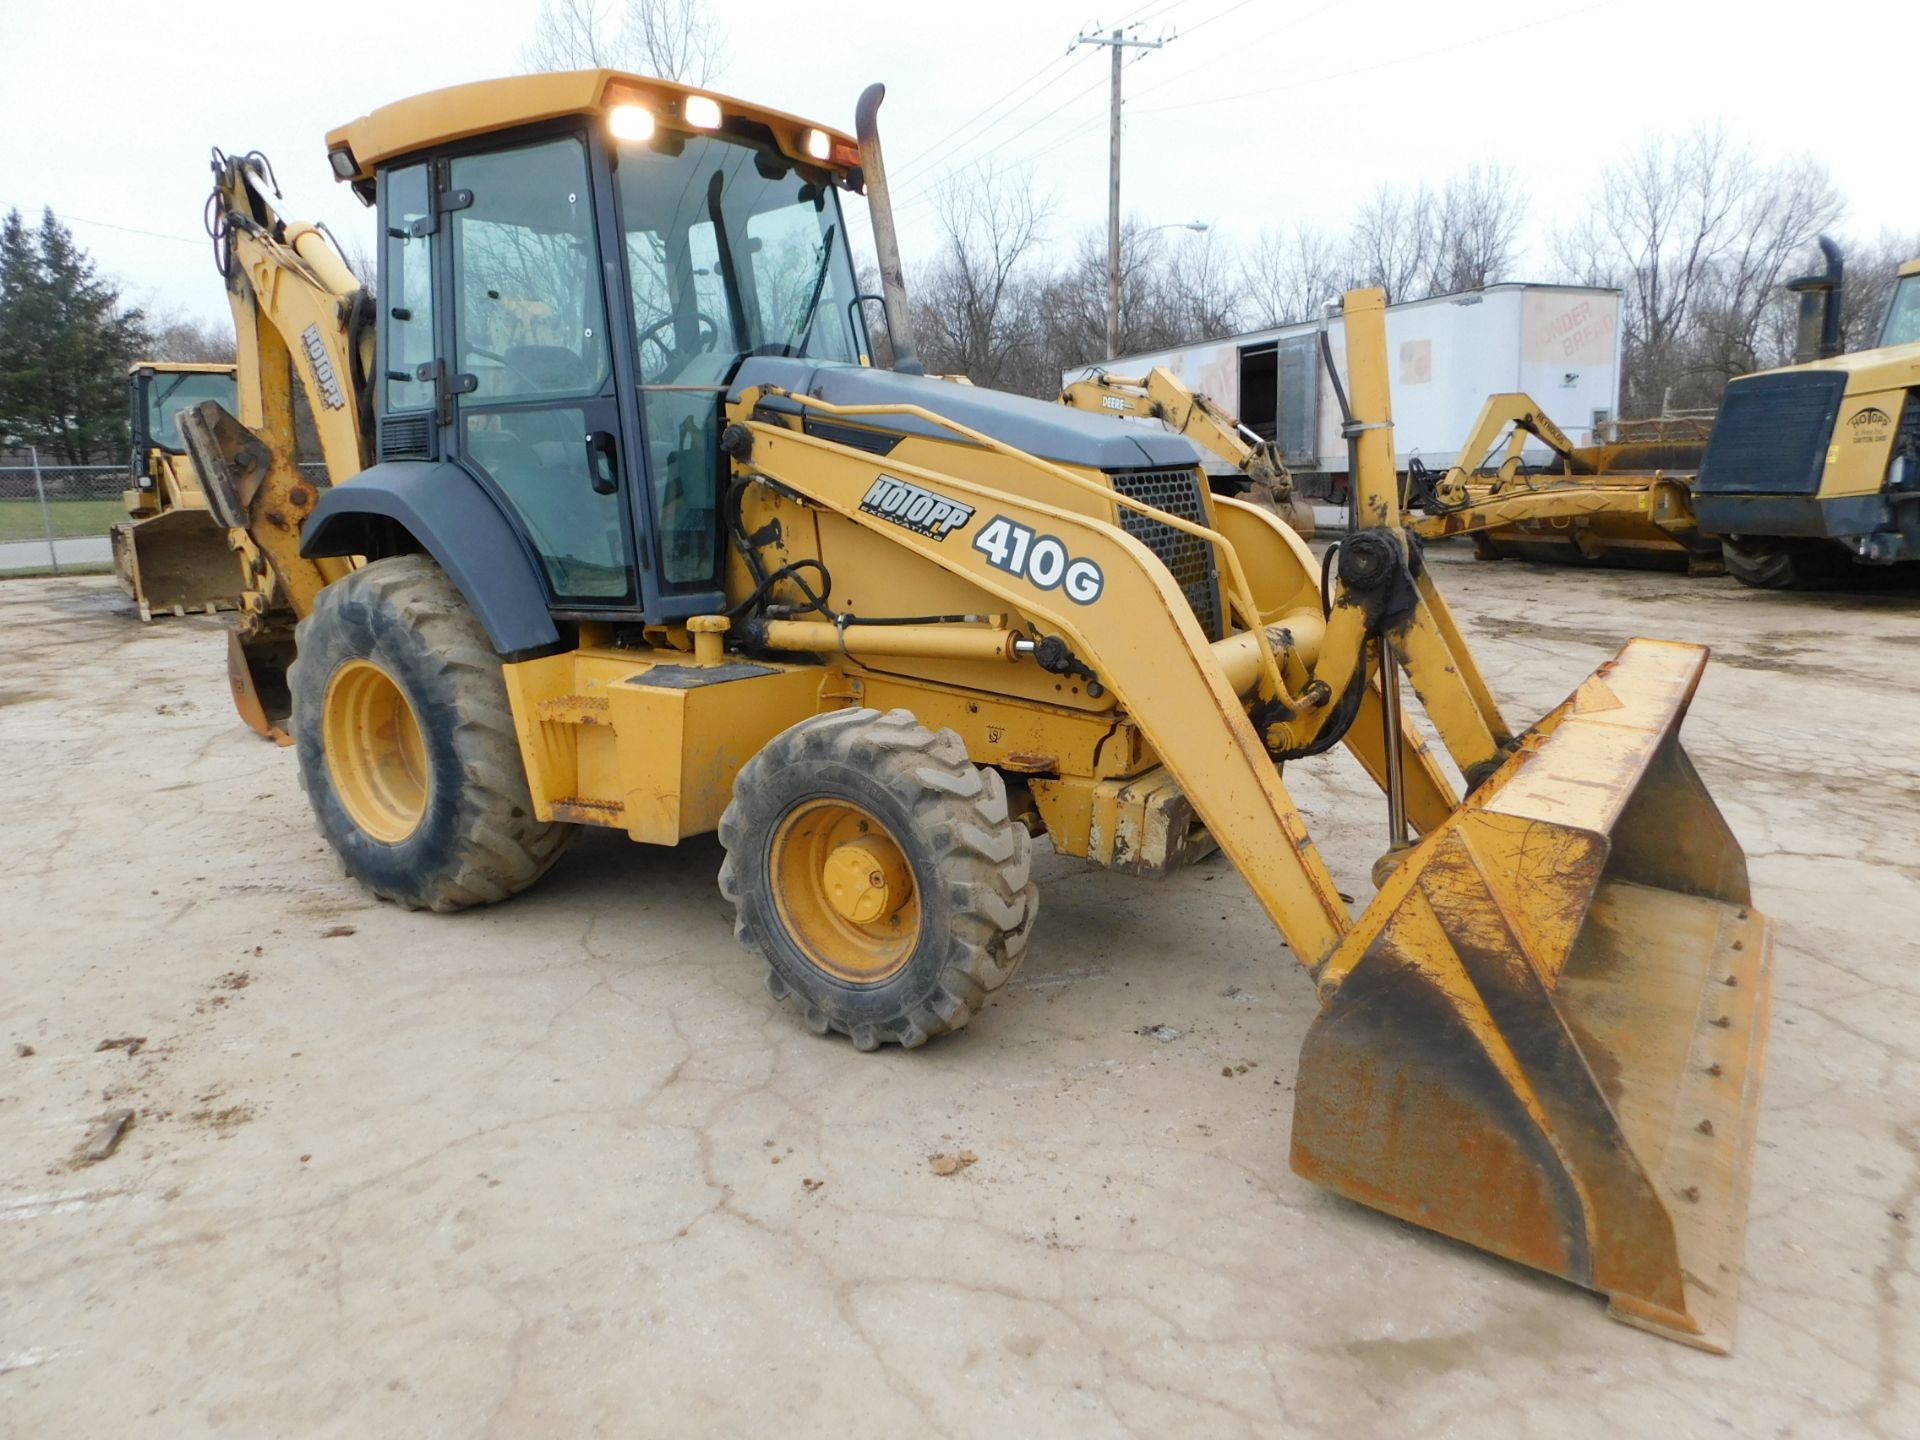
(1261, 112)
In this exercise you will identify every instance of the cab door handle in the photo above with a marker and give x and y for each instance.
(603, 462)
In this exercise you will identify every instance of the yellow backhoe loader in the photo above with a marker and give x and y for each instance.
(1237, 461)
(626, 533)
(172, 556)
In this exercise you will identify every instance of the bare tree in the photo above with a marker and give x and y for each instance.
(1697, 231)
(1476, 230)
(1075, 299)
(679, 39)
(1392, 242)
(1289, 276)
(176, 335)
(1202, 295)
(973, 313)
(672, 39)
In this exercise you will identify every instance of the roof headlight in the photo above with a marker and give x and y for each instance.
(630, 122)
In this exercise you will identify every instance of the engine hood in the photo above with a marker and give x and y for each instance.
(1050, 431)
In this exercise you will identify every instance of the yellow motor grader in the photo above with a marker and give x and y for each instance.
(627, 532)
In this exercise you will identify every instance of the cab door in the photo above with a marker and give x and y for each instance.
(532, 375)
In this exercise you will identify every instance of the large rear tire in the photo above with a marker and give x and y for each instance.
(879, 875)
(406, 743)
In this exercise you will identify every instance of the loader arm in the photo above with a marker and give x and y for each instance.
(1544, 1035)
(1137, 632)
(297, 309)
(1161, 395)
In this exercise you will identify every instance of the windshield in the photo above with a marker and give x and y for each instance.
(168, 395)
(731, 252)
(1903, 316)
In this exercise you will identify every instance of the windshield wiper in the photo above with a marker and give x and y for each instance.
(803, 332)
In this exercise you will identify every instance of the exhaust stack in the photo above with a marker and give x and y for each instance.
(893, 282)
(1819, 332)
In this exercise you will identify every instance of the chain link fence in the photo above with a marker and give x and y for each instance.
(56, 519)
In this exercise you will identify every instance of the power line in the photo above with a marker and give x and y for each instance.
(954, 141)
(1241, 47)
(930, 185)
(926, 190)
(1381, 64)
(129, 229)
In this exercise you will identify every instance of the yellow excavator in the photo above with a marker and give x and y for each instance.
(1237, 460)
(626, 532)
(171, 555)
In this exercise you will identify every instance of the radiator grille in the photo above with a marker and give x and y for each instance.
(406, 437)
(1188, 558)
(1772, 433)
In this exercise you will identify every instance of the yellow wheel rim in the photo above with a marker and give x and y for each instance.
(844, 891)
(375, 753)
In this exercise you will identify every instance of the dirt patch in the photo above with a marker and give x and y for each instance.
(234, 980)
(224, 1120)
(1508, 627)
(130, 1043)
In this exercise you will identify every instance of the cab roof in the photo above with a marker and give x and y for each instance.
(460, 112)
(178, 367)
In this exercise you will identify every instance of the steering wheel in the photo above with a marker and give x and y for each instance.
(706, 338)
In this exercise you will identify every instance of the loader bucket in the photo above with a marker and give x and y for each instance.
(1545, 1036)
(177, 561)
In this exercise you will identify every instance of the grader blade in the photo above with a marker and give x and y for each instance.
(1545, 1036)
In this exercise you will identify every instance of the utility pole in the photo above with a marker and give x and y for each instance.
(1118, 43)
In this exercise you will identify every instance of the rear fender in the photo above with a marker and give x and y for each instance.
(405, 507)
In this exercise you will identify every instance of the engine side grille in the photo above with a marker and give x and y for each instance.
(1772, 433)
(1188, 558)
(406, 437)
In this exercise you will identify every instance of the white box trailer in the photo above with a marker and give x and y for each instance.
(1558, 343)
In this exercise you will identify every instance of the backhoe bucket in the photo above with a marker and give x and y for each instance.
(175, 562)
(1545, 1036)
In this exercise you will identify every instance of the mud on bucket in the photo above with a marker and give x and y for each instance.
(1545, 1036)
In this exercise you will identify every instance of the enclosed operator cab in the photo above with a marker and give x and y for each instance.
(157, 392)
(1817, 464)
(563, 305)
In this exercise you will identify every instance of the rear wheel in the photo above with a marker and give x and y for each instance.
(879, 875)
(406, 744)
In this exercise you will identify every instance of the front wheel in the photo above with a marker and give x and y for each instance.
(406, 743)
(1781, 564)
(879, 875)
